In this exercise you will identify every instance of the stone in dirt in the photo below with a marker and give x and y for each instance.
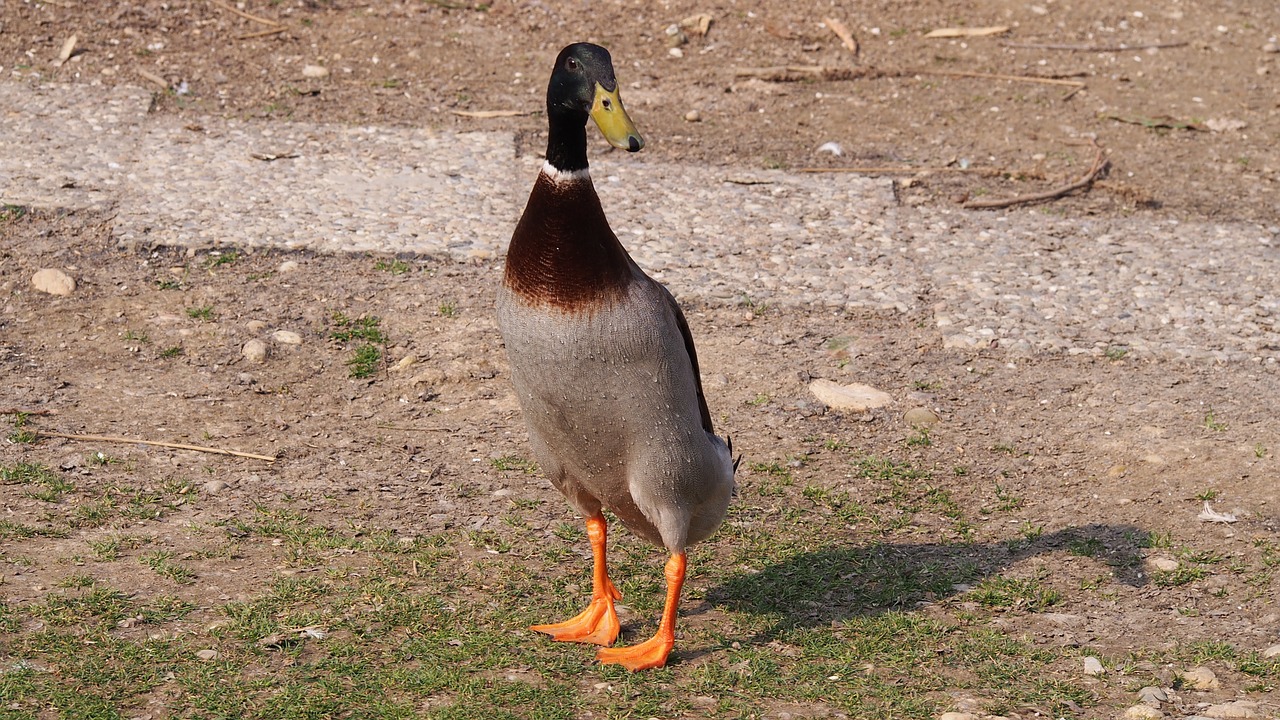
(1093, 666)
(921, 417)
(1237, 709)
(286, 337)
(1164, 564)
(1153, 696)
(1201, 678)
(53, 281)
(254, 351)
(957, 716)
(1273, 651)
(855, 397)
(1142, 712)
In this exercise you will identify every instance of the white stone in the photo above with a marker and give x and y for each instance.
(53, 281)
(213, 487)
(286, 337)
(855, 397)
(287, 266)
(207, 654)
(1093, 666)
(254, 351)
(314, 71)
(1273, 651)
(693, 116)
(1164, 564)
(957, 716)
(1142, 712)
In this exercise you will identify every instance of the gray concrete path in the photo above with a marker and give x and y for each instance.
(1018, 280)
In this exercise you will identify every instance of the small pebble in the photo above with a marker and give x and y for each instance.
(921, 417)
(676, 52)
(1164, 564)
(957, 716)
(213, 487)
(693, 116)
(207, 654)
(1201, 678)
(1093, 666)
(53, 282)
(1273, 651)
(286, 337)
(255, 326)
(1142, 712)
(254, 351)
(314, 71)
(287, 266)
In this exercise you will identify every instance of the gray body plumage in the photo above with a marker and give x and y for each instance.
(612, 403)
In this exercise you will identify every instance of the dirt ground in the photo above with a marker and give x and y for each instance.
(1085, 449)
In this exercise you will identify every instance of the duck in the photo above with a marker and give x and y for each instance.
(604, 367)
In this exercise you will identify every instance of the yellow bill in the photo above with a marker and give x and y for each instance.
(613, 121)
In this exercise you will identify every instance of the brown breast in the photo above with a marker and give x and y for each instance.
(563, 253)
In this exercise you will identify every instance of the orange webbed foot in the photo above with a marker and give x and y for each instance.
(651, 653)
(598, 624)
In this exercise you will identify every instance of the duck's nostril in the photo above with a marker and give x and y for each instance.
(633, 144)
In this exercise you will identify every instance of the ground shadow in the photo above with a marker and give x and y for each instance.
(823, 586)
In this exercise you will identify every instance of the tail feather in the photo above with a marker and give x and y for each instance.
(736, 461)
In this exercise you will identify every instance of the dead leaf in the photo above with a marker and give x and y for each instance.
(485, 114)
(68, 47)
(274, 640)
(268, 157)
(967, 32)
(697, 24)
(843, 33)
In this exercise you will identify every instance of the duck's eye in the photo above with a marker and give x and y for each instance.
(572, 64)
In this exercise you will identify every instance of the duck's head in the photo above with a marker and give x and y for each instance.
(583, 84)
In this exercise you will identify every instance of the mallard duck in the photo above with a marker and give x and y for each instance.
(604, 366)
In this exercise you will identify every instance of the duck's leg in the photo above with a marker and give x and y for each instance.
(597, 624)
(652, 653)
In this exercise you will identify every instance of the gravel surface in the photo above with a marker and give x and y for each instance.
(1022, 280)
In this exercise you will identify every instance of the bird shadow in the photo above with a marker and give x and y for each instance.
(837, 582)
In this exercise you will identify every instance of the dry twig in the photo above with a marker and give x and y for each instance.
(891, 170)
(1100, 163)
(486, 114)
(164, 84)
(791, 73)
(843, 33)
(262, 33)
(155, 443)
(1092, 48)
(992, 76)
(243, 14)
(388, 426)
(961, 32)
